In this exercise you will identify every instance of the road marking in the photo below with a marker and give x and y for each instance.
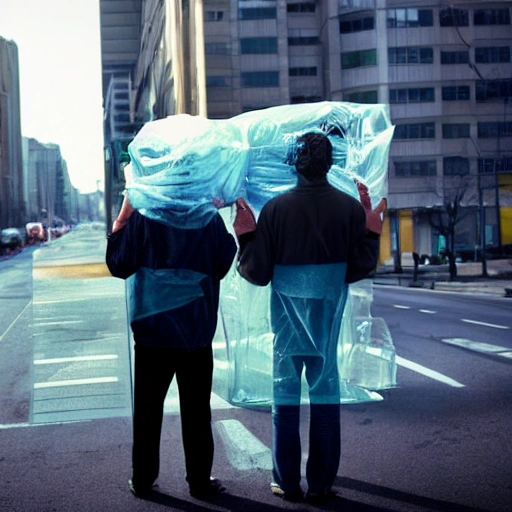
(74, 382)
(244, 450)
(58, 323)
(478, 346)
(428, 372)
(14, 321)
(81, 299)
(428, 311)
(485, 324)
(397, 306)
(76, 359)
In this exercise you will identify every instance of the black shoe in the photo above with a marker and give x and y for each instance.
(206, 490)
(318, 498)
(140, 492)
(294, 496)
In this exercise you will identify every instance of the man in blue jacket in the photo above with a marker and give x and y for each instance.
(173, 280)
(309, 243)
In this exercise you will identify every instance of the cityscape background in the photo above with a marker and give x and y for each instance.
(443, 67)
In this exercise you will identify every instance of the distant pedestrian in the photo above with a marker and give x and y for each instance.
(173, 287)
(309, 243)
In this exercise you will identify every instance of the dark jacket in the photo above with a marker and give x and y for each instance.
(312, 224)
(166, 254)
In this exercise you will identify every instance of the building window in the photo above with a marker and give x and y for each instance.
(305, 99)
(359, 59)
(453, 17)
(257, 13)
(491, 17)
(490, 54)
(260, 79)
(455, 93)
(492, 89)
(255, 45)
(455, 166)
(361, 97)
(405, 18)
(491, 130)
(415, 131)
(213, 15)
(356, 25)
(309, 71)
(303, 41)
(218, 81)
(456, 131)
(410, 169)
(305, 7)
(411, 55)
(492, 165)
(454, 57)
(414, 95)
(216, 49)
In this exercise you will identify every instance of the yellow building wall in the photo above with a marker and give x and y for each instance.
(506, 224)
(385, 241)
(406, 231)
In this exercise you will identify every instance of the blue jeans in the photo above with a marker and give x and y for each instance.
(324, 446)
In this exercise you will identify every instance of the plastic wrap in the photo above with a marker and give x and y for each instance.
(183, 166)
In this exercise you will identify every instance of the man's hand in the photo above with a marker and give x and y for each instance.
(245, 222)
(126, 210)
(374, 218)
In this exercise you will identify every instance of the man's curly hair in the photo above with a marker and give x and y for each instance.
(314, 156)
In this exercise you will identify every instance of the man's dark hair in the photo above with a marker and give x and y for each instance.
(314, 156)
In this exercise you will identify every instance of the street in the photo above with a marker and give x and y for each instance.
(439, 441)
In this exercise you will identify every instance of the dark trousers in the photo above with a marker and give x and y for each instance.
(154, 371)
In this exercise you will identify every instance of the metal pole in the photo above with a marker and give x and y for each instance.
(482, 228)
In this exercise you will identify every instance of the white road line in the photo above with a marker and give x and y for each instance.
(478, 346)
(62, 322)
(74, 382)
(81, 299)
(428, 311)
(244, 450)
(485, 324)
(14, 321)
(423, 370)
(397, 306)
(59, 360)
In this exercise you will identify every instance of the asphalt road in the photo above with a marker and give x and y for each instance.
(439, 441)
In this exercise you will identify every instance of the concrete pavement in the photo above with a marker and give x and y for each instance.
(84, 465)
(469, 278)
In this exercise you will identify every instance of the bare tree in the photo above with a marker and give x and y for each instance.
(455, 192)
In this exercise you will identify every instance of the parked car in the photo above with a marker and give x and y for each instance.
(11, 240)
(36, 233)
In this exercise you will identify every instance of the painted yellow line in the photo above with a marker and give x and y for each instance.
(83, 271)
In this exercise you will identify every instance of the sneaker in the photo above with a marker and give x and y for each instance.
(205, 490)
(139, 492)
(317, 498)
(295, 496)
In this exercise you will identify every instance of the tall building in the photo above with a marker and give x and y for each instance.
(12, 206)
(443, 66)
(50, 196)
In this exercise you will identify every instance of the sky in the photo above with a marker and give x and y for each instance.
(60, 79)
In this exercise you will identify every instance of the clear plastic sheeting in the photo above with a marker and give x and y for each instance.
(181, 164)
(152, 291)
(366, 361)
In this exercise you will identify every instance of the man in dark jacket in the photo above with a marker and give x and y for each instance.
(309, 243)
(173, 280)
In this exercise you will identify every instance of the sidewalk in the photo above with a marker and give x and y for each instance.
(469, 278)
